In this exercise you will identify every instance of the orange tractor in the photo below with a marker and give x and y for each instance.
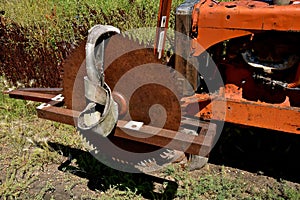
(236, 62)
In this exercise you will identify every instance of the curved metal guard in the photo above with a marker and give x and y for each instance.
(101, 113)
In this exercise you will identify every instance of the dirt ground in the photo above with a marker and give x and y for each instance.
(236, 157)
(73, 184)
(259, 158)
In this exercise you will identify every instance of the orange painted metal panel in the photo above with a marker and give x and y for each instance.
(237, 111)
(218, 22)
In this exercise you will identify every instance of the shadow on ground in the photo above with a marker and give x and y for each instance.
(102, 178)
(265, 152)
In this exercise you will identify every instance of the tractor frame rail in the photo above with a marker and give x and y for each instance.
(52, 109)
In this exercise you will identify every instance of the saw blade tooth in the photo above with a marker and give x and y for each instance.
(163, 155)
(91, 145)
(146, 162)
(170, 151)
(168, 155)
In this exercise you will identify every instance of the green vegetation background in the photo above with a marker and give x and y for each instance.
(39, 34)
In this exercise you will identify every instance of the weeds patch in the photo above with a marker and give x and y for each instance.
(36, 36)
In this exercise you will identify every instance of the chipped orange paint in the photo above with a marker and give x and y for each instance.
(222, 21)
(214, 22)
(229, 106)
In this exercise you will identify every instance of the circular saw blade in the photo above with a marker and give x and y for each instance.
(149, 87)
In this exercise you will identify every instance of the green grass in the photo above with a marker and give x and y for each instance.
(40, 34)
(50, 22)
(24, 148)
(220, 184)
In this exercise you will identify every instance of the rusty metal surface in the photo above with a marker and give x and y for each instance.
(221, 21)
(74, 66)
(55, 91)
(147, 134)
(145, 96)
(123, 55)
(162, 26)
(183, 51)
(280, 117)
(168, 138)
(32, 96)
(58, 114)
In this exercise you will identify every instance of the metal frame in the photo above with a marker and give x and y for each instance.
(52, 109)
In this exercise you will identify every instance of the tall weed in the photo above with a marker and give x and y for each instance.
(36, 36)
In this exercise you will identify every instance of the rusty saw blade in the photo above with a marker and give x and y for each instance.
(147, 85)
(147, 93)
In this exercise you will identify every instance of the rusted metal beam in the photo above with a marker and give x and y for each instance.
(236, 111)
(34, 96)
(168, 138)
(162, 26)
(58, 114)
(263, 116)
(248, 113)
(146, 134)
(55, 91)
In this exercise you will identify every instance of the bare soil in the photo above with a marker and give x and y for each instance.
(261, 159)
